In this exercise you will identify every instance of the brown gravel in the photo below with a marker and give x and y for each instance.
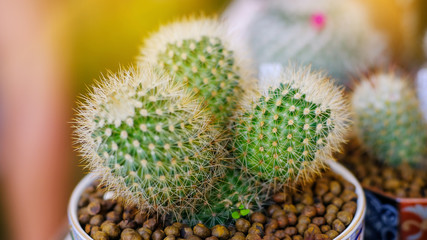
(402, 181)
(321, 210)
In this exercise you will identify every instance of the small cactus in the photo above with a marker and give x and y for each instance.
(201, 54)
(388, 120)
(232, 197)
(149, 140)
(285, 135)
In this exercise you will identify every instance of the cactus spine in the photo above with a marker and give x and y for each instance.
(200, 54)
(388, 120)
(285, 135)
(149, 139)
(232, 197)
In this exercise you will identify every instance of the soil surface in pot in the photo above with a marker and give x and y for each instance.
(320, 211)
(402, 181)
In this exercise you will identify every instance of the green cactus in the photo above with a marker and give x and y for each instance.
(285, 135)
(322, 33)
(232, 197)
(149, 140)
(202, 55)
(388, 119)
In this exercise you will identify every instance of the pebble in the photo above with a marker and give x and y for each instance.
(319, 221)
(111, 229)
(345, 217)
(100, 235)
(304, 219)
(201, 230)
(280, 234)
(150, 224)
(220, 232)
(130, 234)
(324, 209)
(257, 228)
(96, 220)
(335, 187)
(332, 234)
(186, 232)
(338, 226)
(282, 221)
(337, 202)
(158, 235)
(325, 228)
(309, 211)
(172, 231)
(330, 217)
(258, 217)
(94, 208)
(332, 208)
(211, 238)
(127, 224)
(242, 225)
(253, 236)
(113, 217)
(301, 227)
(193, 237)
(291, 231)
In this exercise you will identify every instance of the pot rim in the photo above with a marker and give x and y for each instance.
(359, 216)
(336, 167)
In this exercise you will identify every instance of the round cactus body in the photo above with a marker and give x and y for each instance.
(322, 33)
(200, 54)
(285, 135)
(389, 121)
(149, 140)
(234, 196)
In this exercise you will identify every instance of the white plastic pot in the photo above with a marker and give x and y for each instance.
(353, 232)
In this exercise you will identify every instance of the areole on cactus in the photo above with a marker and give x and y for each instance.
(388, 119)
(149, 139)
(284, 135)
(202, 54)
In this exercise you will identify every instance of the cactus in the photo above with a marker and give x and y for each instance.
(388, 121)
(149, 140)
(232, 197)
(199, 53)
(285, 135)
(323, 33)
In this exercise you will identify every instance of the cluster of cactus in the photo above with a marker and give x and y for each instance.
(388, 120)
(155, 134)
(150, 140)
(200, 54)
(323, 33)
(285, 135)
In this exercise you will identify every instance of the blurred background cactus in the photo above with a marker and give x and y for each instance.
(150, 141)
(285, 135)
(388, 120)
(201, 54)
(331, 35)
